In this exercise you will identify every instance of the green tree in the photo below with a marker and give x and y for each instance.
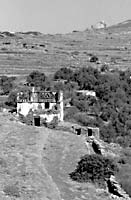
(12, 99)
(6, 84)
(63, 73)
(94, 168)
(36, 79)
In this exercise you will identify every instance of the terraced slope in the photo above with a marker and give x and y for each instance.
(20, 53)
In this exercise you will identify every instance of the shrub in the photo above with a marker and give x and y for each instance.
(85, 120)
(6, 84)
(107, 133)
(53, 123)
(70, 112)
(94, 59)
(95, 168)
(63, 73)
(36, 79)
(12, 100)
(12, 190)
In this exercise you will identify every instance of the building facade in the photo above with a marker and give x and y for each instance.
(45, 104)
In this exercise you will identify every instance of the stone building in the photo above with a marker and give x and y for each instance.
(43, 104)
(99, 25)
(86, 92)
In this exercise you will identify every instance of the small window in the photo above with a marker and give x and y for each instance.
(47, 105)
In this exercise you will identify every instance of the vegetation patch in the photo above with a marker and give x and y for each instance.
(12, 191)
(94, 168)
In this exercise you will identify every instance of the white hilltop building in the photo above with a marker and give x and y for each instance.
(44, 104)
(99, 25)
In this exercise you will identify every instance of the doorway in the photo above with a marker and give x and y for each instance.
(37, 120)
(89, 132)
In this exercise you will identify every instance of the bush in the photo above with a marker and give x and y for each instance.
(53, 123)
(70, 112)
(36, 79)
(107, 133)
(85, 120)
(94, 59)
(6, 84)
(95, 168)
(12, 190)
(12, 100)
(63, 73)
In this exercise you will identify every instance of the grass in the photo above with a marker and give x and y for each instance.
(35, 163)
(15, 59)
(39, 160)
(22, 172)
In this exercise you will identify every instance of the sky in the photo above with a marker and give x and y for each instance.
(60, 16)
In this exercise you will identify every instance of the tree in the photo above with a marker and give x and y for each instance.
(86, 78)
(108, 133)
(6, 84)
(36, 79)
(12, 99)
(95, 168)
(64, 73)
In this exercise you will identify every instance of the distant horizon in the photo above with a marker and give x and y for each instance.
(60, 16)
(65, 32)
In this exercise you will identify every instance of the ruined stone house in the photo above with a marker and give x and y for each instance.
(43, 104)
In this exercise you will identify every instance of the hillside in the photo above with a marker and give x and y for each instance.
(20, 53)
(120, 27)
(35, 163)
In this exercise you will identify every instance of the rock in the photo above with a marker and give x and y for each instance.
(115, 189)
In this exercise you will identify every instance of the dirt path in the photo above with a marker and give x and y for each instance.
(22, 170)
(42, 138)
(63, 151)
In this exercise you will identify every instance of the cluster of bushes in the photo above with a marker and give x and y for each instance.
(85, 120)
(12, 99)
(112, 107)
(12, 191)
(94, 168)
(6, 84)
(38, 79)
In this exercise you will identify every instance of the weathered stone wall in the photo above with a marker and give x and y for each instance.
(109, 150)
(116, 190)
